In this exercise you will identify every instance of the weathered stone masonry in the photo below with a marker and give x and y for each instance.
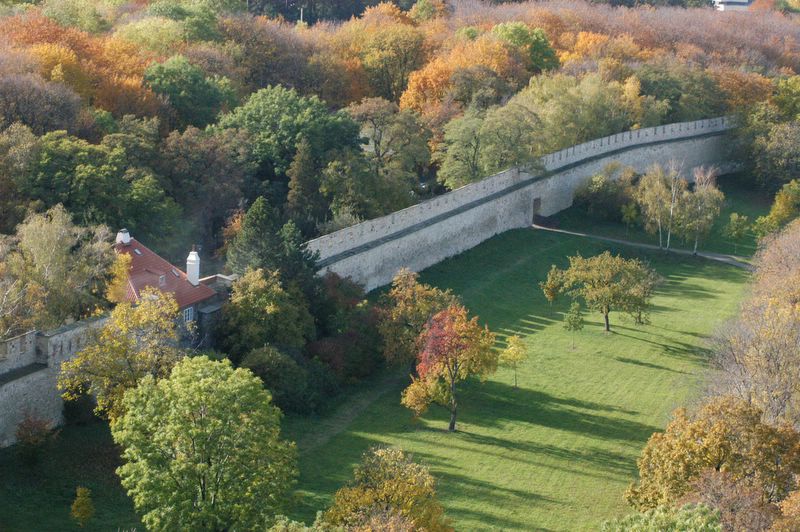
(422, 235)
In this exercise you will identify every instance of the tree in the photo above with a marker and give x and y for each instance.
(785, 208)
(202, 449)
(195, 98)
(82, 509)
(388, 481)
(41, 105)
(262, 312)
(459, 154)
(452, 348)
(305, 204)
(513, 355)
(661, 196)
(737, 228)
(134, 342)
(408, 306)
(256, 244)
(775, 153)
(537, 50)
(282, 376)
(51, 271)
(277, 118)
(604, 282)
(573, 320)
(702, 206)
(630, 215)
(725, 434)
(697, 518)
(390, 55)
(396, 150)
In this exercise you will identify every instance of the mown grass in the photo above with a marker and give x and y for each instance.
(740, 197)
(557, 453)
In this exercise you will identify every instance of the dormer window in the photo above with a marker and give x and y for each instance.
(162, 280)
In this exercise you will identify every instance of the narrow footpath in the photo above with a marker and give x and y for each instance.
(733, 260)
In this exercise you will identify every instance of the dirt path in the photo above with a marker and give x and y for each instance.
(733, 260)
(337, 422)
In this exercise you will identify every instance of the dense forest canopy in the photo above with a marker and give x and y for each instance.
(170, 117)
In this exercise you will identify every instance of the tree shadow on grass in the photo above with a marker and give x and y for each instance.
(494, 404)
(643, 364)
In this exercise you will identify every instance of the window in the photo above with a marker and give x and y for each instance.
(162, 280)
(188, 314)
(136, 250)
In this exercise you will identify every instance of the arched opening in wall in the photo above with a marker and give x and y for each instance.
(537, 207)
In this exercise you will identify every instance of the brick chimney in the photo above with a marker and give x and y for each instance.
(193, 267)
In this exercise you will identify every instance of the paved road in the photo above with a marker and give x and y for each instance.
(733, 260)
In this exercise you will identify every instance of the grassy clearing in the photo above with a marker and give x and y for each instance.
(557, 453)
(740, 197)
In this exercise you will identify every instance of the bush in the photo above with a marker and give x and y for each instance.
(80, 411)
(32, 433)
(282, 376)
(604, 195)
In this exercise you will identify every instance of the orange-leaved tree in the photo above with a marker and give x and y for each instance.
(452, 348)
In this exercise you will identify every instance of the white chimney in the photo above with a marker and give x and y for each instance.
(193, 267)
(123, 237)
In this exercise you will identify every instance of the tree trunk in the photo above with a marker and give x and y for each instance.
(515, 376)
(605, 317)
(696, 238)
(453, 407)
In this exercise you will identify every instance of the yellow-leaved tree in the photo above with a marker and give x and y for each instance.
(135, 341)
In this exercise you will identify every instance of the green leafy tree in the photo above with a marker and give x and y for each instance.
(701, 206)
(202, 449)
(573, 320)
(513, 355)
(278, 118)
(195, 98)
(697, 518)
(282, 376)
(452, 348)
(630, 216)
(775, 153)
(136, 341)
(459, 155)
(388, 480)
(390, 55)
(257, 243)
(737, 228)
(605, 283)
(50, 271)
(262, 312)
(82, 509)
(305, 203)
(533, 43)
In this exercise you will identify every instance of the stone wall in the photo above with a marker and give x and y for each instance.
(29, 385)
(371, 252)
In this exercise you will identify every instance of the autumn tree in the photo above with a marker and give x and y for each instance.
(605, 283)
(725, 434)
(452, 348)
(389, 57)
(513, 355)
(408, 306)
(785, 208)
(82, 509)
(201, 449)
(573, 320)
(134, 342)
(388, 481)
(262, 312)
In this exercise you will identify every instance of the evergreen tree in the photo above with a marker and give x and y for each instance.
(257, 244)
(305, 204)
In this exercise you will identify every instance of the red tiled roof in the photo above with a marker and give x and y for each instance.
(149, 269)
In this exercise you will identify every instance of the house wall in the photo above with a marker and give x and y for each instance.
(372, 252)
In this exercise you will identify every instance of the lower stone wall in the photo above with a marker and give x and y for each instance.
(430, 241)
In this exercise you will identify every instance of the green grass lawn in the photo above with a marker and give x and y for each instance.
(740, 197)
(557, 453)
